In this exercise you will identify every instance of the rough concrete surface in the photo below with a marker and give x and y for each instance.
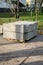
(28, 53)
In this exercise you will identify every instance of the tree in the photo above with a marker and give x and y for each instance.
(37, 7)
(17, 9)
(14, 7)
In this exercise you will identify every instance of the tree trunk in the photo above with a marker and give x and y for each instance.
(37, 7)
(17, 9)
(12, 9)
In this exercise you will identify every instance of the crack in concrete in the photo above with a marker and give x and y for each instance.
(25, 59)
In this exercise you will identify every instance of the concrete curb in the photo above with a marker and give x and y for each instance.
(1, 29)
(40, 32)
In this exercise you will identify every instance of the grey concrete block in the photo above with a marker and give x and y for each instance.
(19, 36)
(20, 30)
(13, 27)
(1, 29)
(29, 35)
(12, 35)
(20, 27)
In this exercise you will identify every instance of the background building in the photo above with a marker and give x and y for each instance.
(31, 4)
(4, 6)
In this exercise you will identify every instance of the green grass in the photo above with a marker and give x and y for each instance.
(6, 17)
(40, 25)
(6, 20)
(27, 16)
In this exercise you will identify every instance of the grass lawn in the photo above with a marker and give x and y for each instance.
(6, 17)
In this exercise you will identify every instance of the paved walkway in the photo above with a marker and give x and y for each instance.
(30, 53)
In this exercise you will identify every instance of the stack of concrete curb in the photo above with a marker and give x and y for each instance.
(1, 29)
(20, 30)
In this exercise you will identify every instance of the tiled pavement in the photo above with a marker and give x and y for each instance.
(29, 53)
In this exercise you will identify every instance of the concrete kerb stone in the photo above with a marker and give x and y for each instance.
(1, 29)
(19, 30)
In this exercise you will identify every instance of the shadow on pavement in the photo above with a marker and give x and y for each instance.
(10, 43)
(38, 38)
(34, 63)
(22, 53)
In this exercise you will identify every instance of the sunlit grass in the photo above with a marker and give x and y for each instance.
(6, 17)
